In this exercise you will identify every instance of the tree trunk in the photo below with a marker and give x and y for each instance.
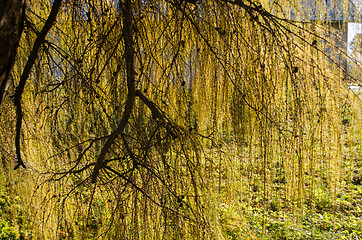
(11, 26)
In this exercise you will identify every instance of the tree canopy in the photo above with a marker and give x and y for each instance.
(158, 119)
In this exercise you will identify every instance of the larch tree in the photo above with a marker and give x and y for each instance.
(160, 119)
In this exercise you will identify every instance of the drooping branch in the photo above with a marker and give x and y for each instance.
(157, 114)
(25, 75)
(129, 59)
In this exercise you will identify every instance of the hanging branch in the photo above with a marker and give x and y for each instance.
(129, 59)
(132, 93)
(26, 72)
(157, 114)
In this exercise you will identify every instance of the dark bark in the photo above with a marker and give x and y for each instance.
(25, 75)
(11, 26)
(129, 59)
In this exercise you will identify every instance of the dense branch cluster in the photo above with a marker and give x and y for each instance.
(152, 113)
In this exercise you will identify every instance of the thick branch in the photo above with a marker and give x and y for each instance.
(12, 14)
(129, 59)
(26, 72)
